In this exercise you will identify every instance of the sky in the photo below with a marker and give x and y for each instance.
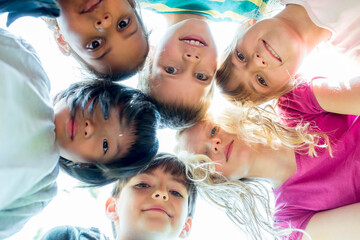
(86, 207)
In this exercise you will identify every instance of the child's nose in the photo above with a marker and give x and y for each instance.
(215, 145)
(88, 129)
(104, 22)
(259, 60)
(192, 57)
(160, 195)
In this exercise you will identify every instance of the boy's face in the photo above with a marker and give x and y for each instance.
(106, 34)
(184, 63)
(152, 205)
(87, 139)
(235, 157)
(266, 57)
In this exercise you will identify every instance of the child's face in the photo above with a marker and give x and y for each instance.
(184, 63)
(106, 34)
(152, 205)
(90, 139)
(266, 58)
(233, 155)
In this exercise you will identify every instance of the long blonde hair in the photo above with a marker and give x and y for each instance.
(256, 124)
(245, 202)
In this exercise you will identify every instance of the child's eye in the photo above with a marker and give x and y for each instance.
(240, 56)
(201, 76)
(176, 194)
(123, 23)
(171, 70)
(94, 44)
(213, 131)
(142, 185)
(261, 80)
(105, 145)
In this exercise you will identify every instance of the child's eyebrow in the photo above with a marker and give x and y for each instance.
(175, 179)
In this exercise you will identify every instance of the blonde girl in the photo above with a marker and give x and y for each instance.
(313, 186)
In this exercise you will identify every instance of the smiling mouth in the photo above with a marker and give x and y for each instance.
(91, 5)
(272, 51)
(228, 150)
(156, 209)
(193, 40)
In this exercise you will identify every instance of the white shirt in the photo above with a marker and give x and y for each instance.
(341, 17)
(28, 155)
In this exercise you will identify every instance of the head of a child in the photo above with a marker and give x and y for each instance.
(104, 130)
(108, 37)
(261, 62)
(158, 203)
(181, 69)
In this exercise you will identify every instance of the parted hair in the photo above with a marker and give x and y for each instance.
(136, 112)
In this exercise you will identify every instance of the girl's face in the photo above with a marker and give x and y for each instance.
(266, 57)
(233, 155)
(85, 139)
(106, 34)
(184, 63)
(152, 204)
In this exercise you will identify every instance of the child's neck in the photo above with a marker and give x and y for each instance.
(173, 18)
(298, 19)
(275, 166)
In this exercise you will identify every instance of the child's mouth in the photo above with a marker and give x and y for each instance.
(271, 51)
(91, 5)
(193, 40)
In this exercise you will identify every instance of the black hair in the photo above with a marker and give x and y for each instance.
(178, 115)
(136, 112)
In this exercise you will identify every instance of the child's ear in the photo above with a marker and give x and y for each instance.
(111, 209)
(62, 44)
(187, 227)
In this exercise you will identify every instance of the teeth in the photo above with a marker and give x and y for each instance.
(194, 42)
(273, 52)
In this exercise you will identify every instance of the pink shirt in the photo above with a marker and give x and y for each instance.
(320, 183)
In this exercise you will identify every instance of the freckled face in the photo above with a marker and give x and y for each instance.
(266, 58)
(233, 155)
(152, 204)
(184, 63)
(106, 34)
(88, 138)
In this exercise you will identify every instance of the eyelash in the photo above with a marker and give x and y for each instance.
(105, 146)
(240, 56)
(173, 71)
(261, 79)
(145, 185)
(202, 77)
(176, 194)
(213, 131)
(142, 185)
(127, 22)
(90, 46)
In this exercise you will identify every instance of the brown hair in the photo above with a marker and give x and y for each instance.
(176, 115)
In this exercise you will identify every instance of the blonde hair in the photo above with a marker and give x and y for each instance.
(258, 124)
(243, 201)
